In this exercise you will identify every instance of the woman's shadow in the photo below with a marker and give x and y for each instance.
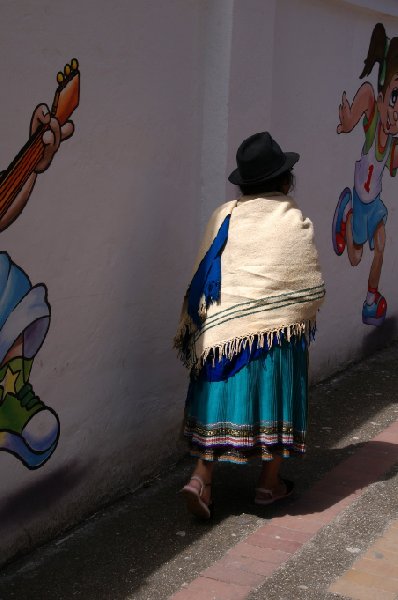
(322, 480)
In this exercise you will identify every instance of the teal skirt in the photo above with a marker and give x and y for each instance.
(261, 409)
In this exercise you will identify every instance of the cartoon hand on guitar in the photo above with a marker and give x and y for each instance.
(53, 134)
(48, 128)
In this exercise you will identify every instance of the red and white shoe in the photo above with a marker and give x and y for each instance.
(375, 313)
(339, 237)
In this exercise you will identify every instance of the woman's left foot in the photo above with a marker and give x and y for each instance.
(197, 500)
(266, 496)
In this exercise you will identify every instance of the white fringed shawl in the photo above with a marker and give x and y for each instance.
(271, 281)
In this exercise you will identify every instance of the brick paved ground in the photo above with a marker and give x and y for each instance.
(248, 564)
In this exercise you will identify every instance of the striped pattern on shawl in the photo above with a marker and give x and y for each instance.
(271, 283)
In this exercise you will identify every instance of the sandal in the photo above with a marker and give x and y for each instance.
(261, 492)
(193, 498)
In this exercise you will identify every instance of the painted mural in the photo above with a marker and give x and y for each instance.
(28, 428)
(360, 217)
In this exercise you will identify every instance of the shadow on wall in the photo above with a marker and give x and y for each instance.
(378, 337)
(37, 497)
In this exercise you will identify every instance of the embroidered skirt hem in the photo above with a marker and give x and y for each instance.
(242, 457)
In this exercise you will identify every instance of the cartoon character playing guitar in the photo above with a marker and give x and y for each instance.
(28, 428)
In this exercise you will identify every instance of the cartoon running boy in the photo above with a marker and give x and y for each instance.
(361, 216)
(28, 428)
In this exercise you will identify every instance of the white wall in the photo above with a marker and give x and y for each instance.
(169, 89)
(108, 229)
(325, 57)
(291, 62)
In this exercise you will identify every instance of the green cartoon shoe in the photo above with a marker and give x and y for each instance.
(28, 429)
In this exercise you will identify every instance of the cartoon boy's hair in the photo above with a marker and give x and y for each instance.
(385, 52)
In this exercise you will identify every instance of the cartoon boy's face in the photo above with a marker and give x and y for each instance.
(388, 107)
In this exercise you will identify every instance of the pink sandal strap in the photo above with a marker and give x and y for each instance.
(265, 491)
(202, 483)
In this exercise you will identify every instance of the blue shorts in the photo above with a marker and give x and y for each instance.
(366, 218)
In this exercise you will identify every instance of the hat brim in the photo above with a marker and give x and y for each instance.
(290, 160)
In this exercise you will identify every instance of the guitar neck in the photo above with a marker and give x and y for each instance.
(66, 100)
(19, 171)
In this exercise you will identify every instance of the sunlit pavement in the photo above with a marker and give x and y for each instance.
(337, 537)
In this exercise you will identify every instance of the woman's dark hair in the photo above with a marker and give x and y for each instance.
(384, 52)
(271, 185)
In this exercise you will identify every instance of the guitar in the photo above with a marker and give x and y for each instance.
(66, 100)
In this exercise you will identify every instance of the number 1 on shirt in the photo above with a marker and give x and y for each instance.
(370, 173)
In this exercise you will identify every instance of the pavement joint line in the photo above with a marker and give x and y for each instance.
(240, 569)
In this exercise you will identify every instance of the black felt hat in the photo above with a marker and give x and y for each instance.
(260, 158)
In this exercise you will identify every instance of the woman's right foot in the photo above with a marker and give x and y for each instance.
(268, 495)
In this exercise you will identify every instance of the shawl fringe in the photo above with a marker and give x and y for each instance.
(231, 348)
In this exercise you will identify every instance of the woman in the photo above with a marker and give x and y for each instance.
(247, 315)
